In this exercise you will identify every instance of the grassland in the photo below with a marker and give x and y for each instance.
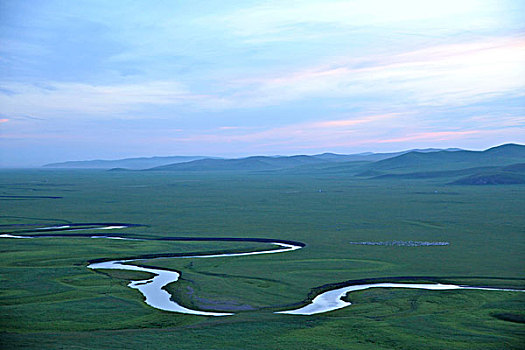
(50, 300)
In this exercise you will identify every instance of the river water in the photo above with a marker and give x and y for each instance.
(156, 296)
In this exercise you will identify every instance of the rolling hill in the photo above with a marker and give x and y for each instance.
(126, 163)
(256, 163)
(447, 161)
(330, 162)
(498, 165)
(373, 157)
(508, 175)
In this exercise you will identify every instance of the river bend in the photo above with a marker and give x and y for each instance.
(157, 297)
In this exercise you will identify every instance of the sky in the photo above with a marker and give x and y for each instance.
(113, 79)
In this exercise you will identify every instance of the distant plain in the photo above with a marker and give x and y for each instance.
(49, 297)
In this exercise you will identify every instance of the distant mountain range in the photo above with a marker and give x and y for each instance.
(216, 163)
(498, 165)
(503, 164)
(127, 163)
(445, 160)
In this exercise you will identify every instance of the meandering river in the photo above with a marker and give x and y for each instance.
(153, 288)
(156, 296)
(332, 299)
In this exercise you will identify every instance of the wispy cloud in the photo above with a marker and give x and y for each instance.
(438, 75)
(290, 20)
(502, 120)
(232, 128)
(431, 136)
(444, 74)
(315, 133)
(342, 123)
(203, 77)
(69, 99)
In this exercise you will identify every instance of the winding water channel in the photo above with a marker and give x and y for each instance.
(332, 299)
(156, 296)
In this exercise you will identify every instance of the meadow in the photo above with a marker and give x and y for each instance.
(49, 299)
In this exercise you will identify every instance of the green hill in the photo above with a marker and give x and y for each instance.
(447, 161)
(432, 174)
(509, 175)
(499, 178)
(257, 163)
(490, 175)
(326, 163)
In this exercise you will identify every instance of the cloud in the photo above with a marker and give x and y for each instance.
(324, 132)
(291, 20)
(227, 128)
(4, 120)
(364, 131)
(501, 121)
(341, 123)
(75, 99)
(431, 136)
(453, 74)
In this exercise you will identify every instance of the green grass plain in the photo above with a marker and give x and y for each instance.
(50, 300)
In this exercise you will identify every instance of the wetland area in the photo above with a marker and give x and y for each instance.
(113, 259)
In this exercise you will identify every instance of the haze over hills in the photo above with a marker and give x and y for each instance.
(126, 163)
(249, 163)
(445, 160)
(371, 157)
(504, 164)
(266, 163)
(497, 165)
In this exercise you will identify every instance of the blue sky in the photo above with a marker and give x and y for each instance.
(114, 79)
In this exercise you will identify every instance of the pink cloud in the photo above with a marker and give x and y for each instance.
(4, 120)
(351, 122)
(439, 74)
(323, 132)
(431, 136)
(369, 137)
(233, 127)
